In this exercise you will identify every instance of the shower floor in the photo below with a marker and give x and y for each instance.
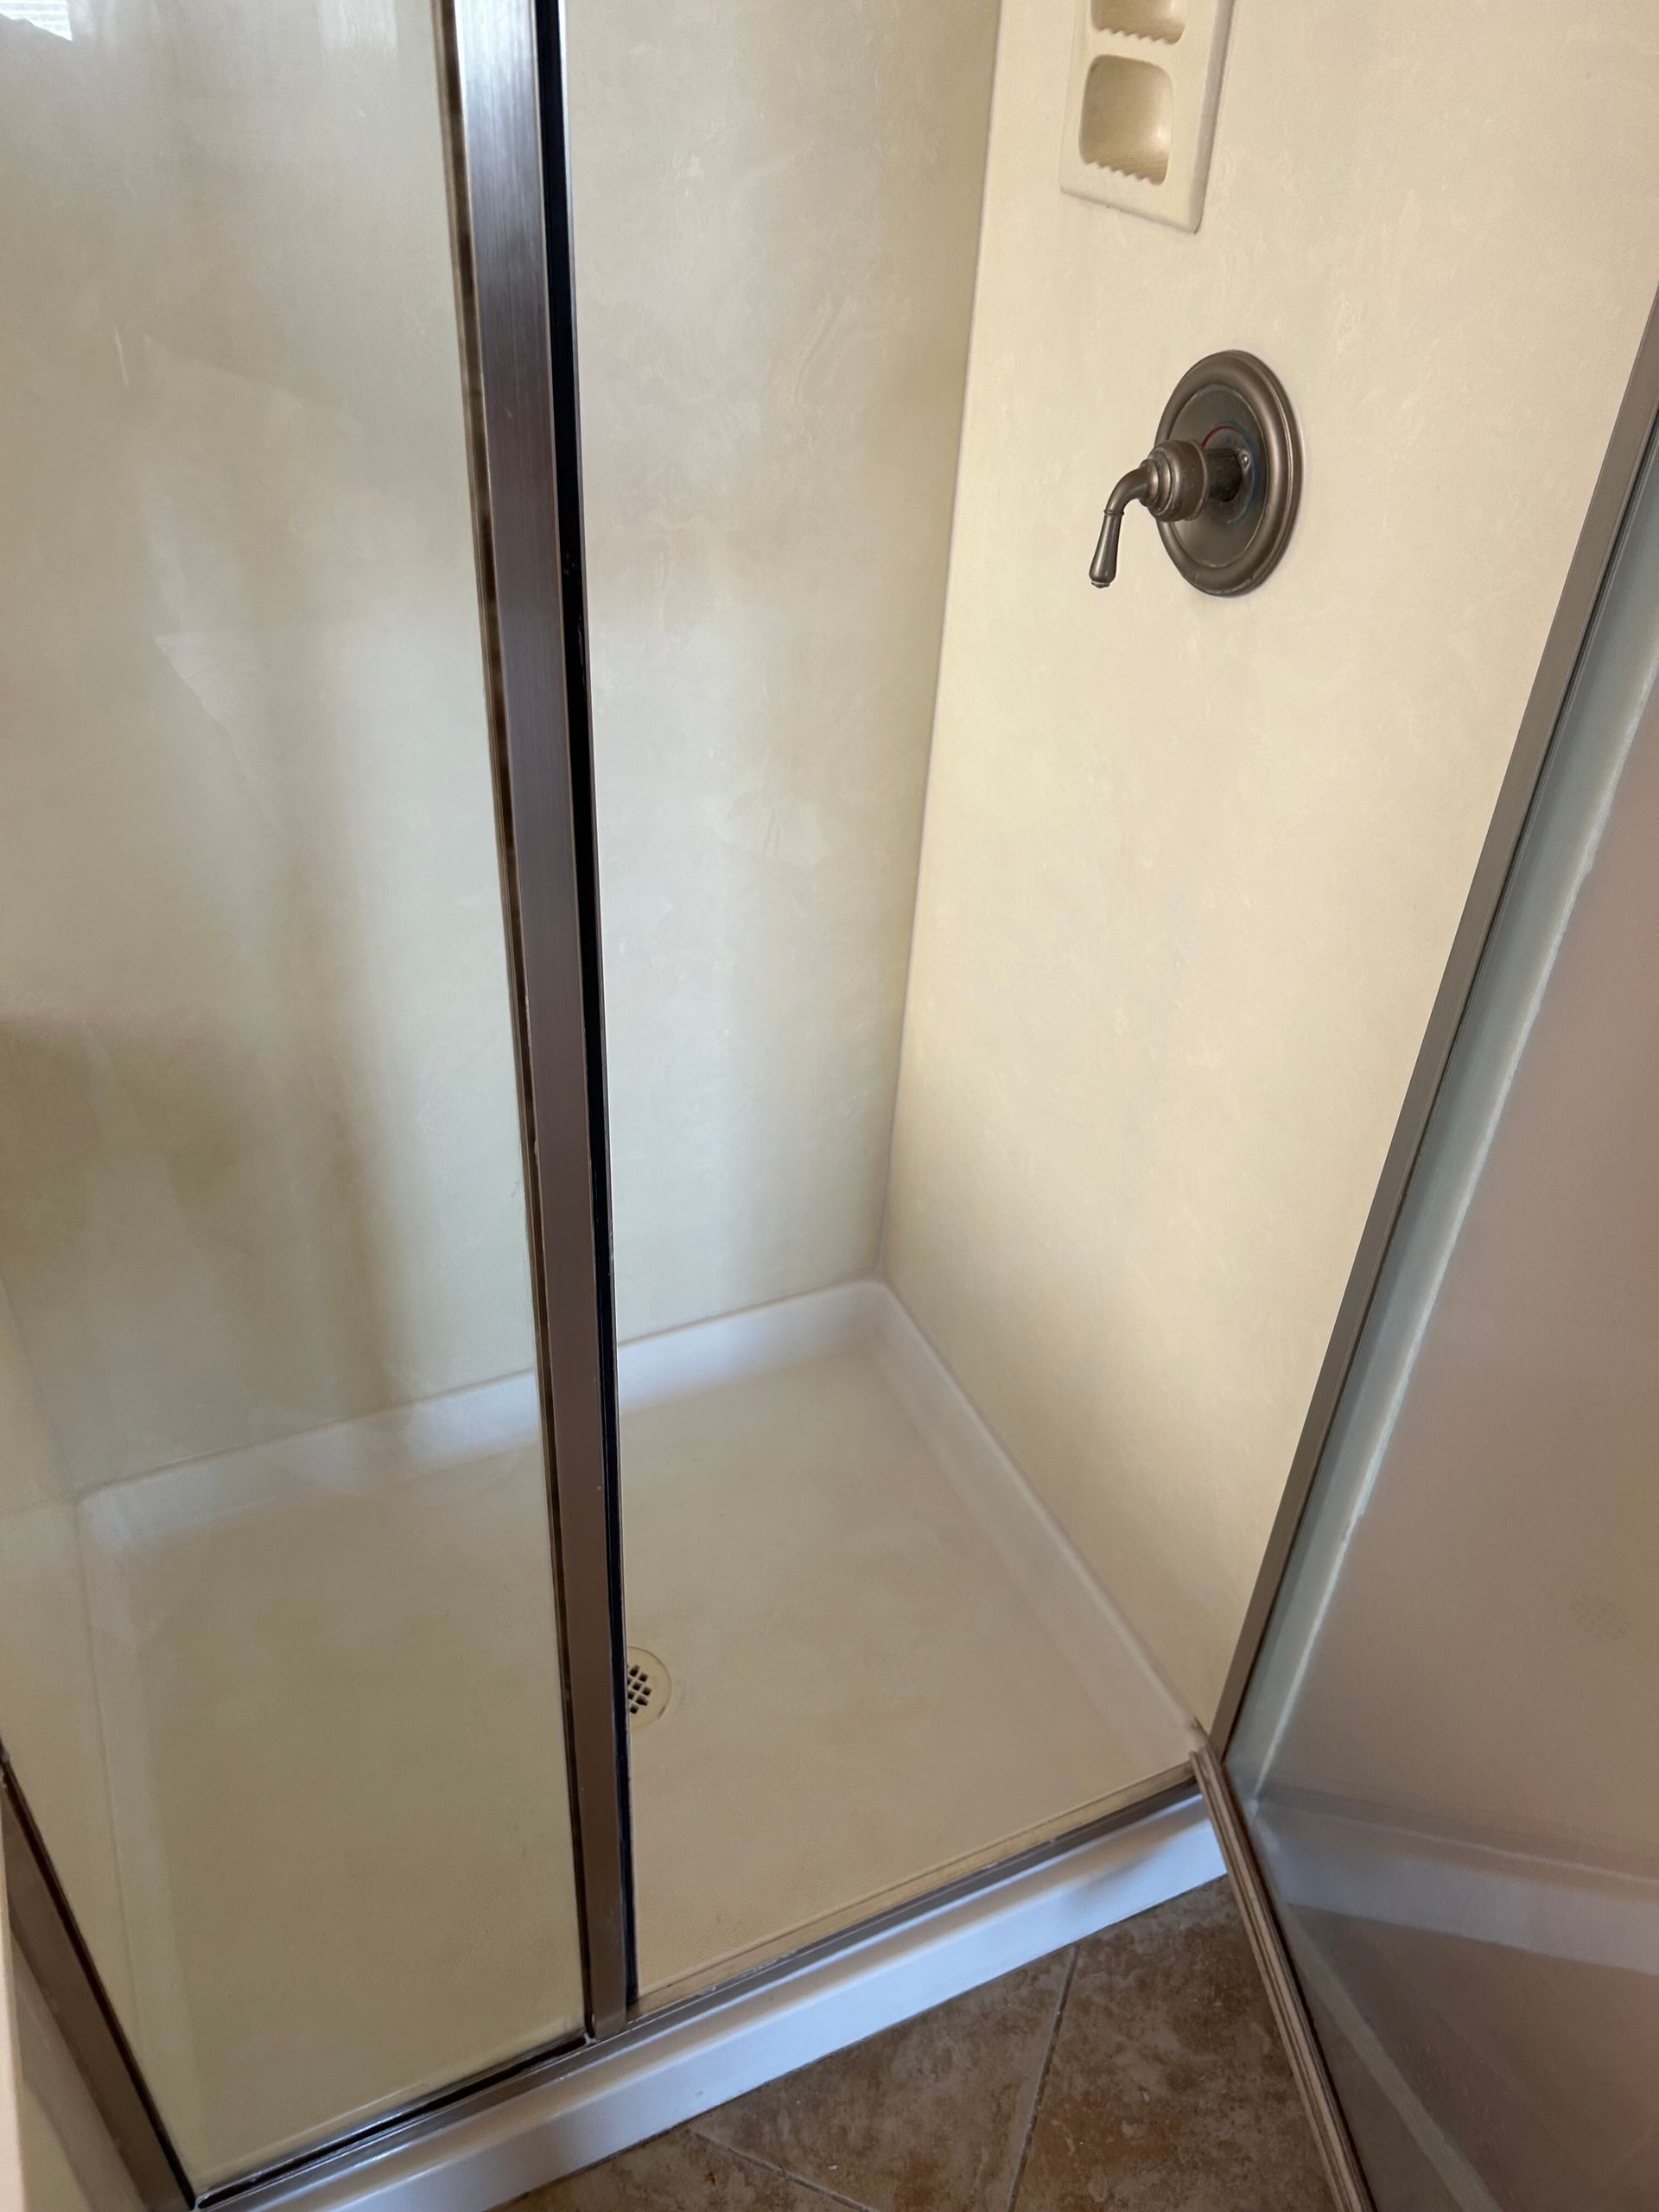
(887, 1665)
(331, 1720)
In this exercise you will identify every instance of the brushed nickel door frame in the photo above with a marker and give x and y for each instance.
(510, 198)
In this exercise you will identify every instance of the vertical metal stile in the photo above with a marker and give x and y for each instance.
(511, 208)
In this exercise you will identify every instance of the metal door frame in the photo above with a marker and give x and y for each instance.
(503, 65)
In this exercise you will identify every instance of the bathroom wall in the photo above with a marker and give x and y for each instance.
(259, 1160)
(1191, 868)
(776, 219)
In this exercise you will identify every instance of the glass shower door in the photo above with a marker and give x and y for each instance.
(1447, 1760)
(279, 1657)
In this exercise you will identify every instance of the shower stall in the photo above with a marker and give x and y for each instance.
(671, 1197)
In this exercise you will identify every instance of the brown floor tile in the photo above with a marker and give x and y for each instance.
(1168, 2091)
(681, 2172)
(931, 2116)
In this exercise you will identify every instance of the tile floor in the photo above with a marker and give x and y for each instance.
(1138, 2072)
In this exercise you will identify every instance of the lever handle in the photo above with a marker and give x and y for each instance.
(1176, 481)
(1137, 485)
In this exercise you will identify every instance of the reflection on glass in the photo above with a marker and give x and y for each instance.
(1448, 1752)
(277, 1655)
(51, 16)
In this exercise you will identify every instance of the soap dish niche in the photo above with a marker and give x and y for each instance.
(1141, 111)
(1128, 114)
(1160, 19)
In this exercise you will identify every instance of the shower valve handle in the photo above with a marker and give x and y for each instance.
(1179, 479)
(1223, 482)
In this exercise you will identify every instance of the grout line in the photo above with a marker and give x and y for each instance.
(1042, 2079)
(766, 2166)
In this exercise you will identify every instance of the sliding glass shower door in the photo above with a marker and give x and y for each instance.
(279, 1655)
(1447, 1756)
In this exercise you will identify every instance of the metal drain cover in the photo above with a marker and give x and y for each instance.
(648, 1687)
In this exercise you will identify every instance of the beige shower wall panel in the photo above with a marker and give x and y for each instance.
(776, 217)
(1191, 868)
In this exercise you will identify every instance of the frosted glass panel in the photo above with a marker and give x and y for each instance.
(1448, 1754)
(277, 1654)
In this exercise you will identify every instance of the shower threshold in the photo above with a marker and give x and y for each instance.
(887, 1665)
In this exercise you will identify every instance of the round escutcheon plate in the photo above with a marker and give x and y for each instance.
(1234, 399)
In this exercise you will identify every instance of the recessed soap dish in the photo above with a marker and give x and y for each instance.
(1161, 19)
(1141, 114)
(1128, 107)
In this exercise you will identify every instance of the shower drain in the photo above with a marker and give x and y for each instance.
(648, 1687)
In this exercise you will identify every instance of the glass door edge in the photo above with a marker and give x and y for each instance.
(42, 1926)
(1319, 2100)
(1633, 426)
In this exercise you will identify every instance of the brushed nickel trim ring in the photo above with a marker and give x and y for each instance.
(1223, 482)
